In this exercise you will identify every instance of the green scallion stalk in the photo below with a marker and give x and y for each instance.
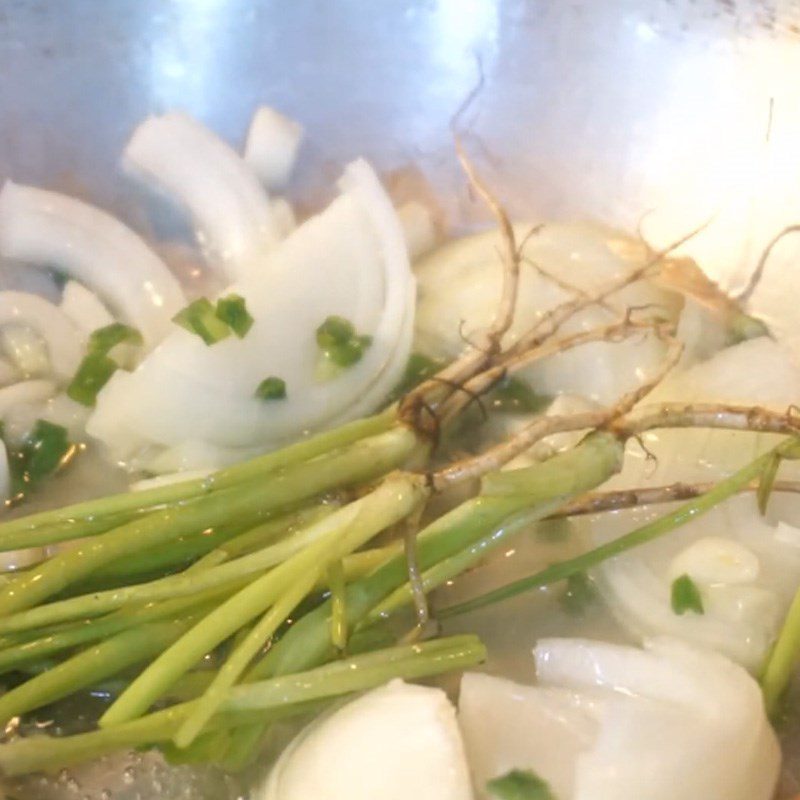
(262, 702)
(688, 511)
(537, 492)
(97, 516)
(49, 642)
(90, 666)
(347, 529)
(337, 585)
(230, 672)
(782, 661)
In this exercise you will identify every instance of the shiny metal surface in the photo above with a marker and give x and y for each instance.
(602, 109)
(589, 108)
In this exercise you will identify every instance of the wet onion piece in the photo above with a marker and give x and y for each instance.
(271, 147)
(463, 279)
(61, 336)
(609, 721)
(349, 261)
(397, 742)
(194, 167)
(95, 249)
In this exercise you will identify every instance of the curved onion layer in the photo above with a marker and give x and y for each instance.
(271, 147)
(64, 341)
(350, 260)
(745, 568)
(94, 248)
(84, 308)
(755, 372)
(26, 349)
(8, 372)
(614, 721)
(195, 167)
(418, 227)
(462, 281)
(741, 616)
(398, 741)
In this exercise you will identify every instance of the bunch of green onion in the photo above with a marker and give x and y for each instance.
(272, 566)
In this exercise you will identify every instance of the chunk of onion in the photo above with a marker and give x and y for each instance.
(26, 349)
(193, 166)
(271, 147)
(84, 308)
(744, 568)
(462, 281)
(94, 248)
(64, 341)
(611, 721)
(397, 742)
(351, 261)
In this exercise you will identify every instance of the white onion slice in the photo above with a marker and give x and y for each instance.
(418, 228)
(349, 260)
(84, 308)
(397, 742)
(462, 281)
(743, 565)
(26, 349)
(196, 168)
(271, 147)
(284, 216)
(94, 248)
(755, 372)
(610, 721)
(64, 341)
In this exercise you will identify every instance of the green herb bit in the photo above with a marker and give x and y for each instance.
(686, 596)
(232, 310)
(339, 342)
(93, 374)
(44, 451)
(578, 594)
(520, 785)
(272, 388)
(200, 318)
(515, 396)
(103, 340)
(334, 331)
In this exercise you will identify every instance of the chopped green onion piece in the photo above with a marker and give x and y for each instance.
(334, 331)
(200, 318)
(520, 785)
(515, 396)
(232, 310)
(93, 374)
(686, 596)
(349, 353)
(271, 388)
(578, 594)
(104, 339)
(339, 342)
(41, 455)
